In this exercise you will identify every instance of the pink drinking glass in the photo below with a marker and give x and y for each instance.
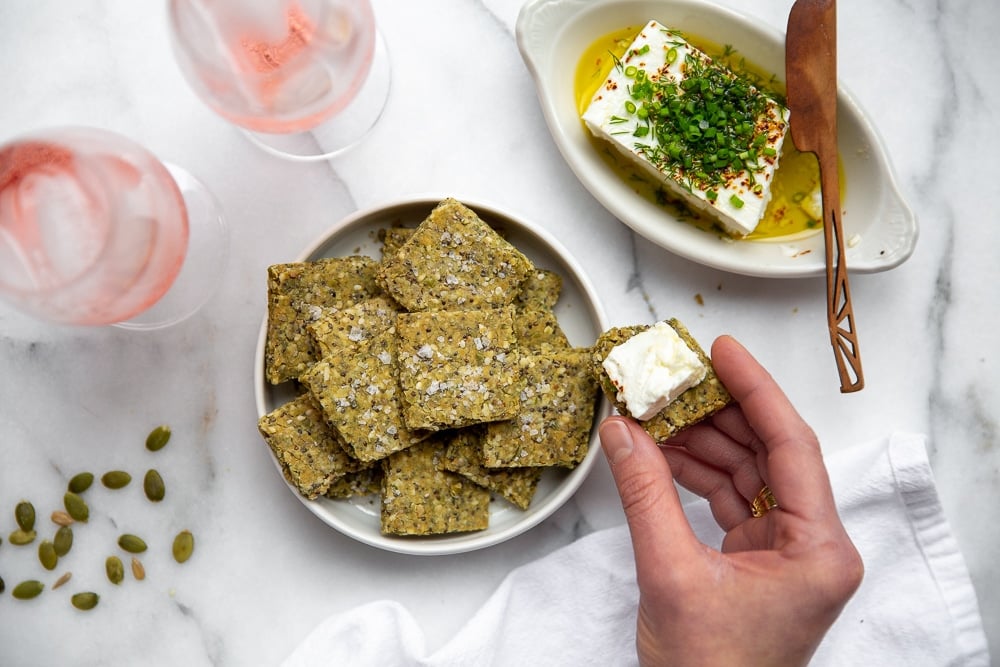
(95, 230)
(304, 79)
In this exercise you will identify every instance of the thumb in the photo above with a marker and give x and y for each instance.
(660, 530)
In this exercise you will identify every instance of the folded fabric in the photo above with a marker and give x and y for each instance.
(577, 605)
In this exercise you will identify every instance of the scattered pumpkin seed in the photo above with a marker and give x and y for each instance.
(76, 506)
(28, 589)
(47, 555)
(138, 571)
(157, 438)
(80, 482)
(132, 544)
(63, 541)
(152, 483)
(85, 601)
(116, 479)
(24, 513)
(183, 546)
(115, 569)
(60, 518)
(21, 537)
(62, 580)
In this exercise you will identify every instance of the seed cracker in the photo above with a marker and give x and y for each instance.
(558, 394)
(454, 261)
(540, 290)
(464, 456)
(419, 498)
(310, 452)
(364, 482)
(538, 331)
(457, 367)
(393, 239)
(360, 397)
(695, 404)
(300, 293)
(356, 324)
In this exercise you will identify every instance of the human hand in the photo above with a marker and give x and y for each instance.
(780, 580)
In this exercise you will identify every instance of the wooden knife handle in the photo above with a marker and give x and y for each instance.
(839, 310)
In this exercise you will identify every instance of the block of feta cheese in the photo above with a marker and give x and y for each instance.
(710, 137)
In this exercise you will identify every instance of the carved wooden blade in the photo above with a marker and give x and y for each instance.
(811, 76)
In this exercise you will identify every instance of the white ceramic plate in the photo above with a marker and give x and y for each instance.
(553, 35)
(579, 313)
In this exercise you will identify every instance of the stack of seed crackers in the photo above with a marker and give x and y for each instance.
(437, 377)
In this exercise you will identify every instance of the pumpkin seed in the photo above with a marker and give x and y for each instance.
(131, 544)
(21, 537)
(47, 555)
(76, 506)
(85, 601)
(60, 518)
(63, 541)
(80, 482)
(116, 479)
(152, 483)
(62, 580)
(138, 571)
(115, 570)
(183, 546)
(24, 513)
(157, 438)
(28, 589)
(2, 585)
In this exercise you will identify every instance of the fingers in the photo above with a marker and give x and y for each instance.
(729, 507)
(787, 447)
(660, 531)
(715, 448)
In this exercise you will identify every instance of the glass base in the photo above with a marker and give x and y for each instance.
(205, 261)
(345, 129)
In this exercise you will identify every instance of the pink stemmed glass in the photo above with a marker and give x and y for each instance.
(304, 79)
(95, 230)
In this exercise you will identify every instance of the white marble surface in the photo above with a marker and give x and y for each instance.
(266, 571)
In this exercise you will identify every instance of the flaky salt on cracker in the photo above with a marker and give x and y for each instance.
(538, 331)
(301, 293)
(360, 397)
(362, 482)
(457, 367)
(464, 455)
(557, 413)
(692, 406)
(419, 498)
(454, 261)
(356, 324)
(309, 452)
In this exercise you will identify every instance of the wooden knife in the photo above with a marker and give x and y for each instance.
(811, 80)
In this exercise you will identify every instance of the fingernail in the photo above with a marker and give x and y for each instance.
(616, 439)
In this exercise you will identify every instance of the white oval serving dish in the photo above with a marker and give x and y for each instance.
(579, 313)
(553, 35)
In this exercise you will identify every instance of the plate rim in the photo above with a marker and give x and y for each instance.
(560, 16)
(459, 542)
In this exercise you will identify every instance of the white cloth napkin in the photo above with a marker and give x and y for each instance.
(576, 606)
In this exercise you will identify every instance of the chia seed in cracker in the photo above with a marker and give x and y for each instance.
(359, 394)
(454, 261)
(393, 239)
(301, 293)
(419, 498)
(558, 394)
(309, 451)
(457, 367)
(364, 482)
(695, 404)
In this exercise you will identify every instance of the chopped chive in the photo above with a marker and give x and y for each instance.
(736, 201)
